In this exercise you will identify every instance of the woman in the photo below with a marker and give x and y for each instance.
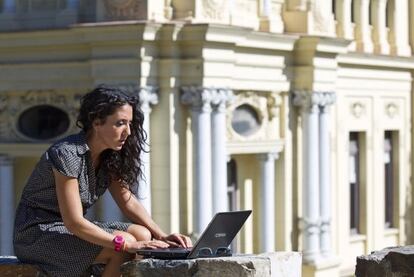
(50, 228)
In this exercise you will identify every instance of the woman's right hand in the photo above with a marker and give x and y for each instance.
(133, 246)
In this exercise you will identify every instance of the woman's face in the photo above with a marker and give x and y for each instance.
(113, 133)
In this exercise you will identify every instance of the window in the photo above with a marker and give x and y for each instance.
(232, 185)
(354, 182)
(232, 193)
(245, 120)
(370, 12)
(353, 11)
(389, 170)
(43, 122)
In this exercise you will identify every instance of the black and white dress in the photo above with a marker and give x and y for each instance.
(40, 236)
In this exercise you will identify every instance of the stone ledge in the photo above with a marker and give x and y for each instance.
(10, 266)
(279, 264)
(390, 262)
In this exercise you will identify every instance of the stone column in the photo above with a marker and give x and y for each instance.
(310, 221)
(147, 96)
(325, 173)
(362, 29)
(200, 100)
(267, 201)
(219, 152)
(6, 205)
(343, 16)
(380, 33)
(9, 6)
(399, 29)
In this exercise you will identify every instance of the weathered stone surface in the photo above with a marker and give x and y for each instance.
(388, 262)
(10, 266)
(284, 264)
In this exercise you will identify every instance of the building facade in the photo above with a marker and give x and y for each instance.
(300, 110)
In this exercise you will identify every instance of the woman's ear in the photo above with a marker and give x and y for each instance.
(96, 123)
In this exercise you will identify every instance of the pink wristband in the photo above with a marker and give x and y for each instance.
(118, 243)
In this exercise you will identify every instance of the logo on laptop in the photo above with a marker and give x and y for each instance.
(220, 235)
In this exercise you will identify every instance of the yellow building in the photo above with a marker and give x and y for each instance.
(297, 109)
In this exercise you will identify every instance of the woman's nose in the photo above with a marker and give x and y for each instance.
(128, 129)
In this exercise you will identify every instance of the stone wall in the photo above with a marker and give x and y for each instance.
(279, 264)
(388, 262)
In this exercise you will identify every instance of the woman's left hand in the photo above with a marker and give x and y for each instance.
(178, 240)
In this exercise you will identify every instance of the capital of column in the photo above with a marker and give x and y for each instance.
(148, 96)
(220, 98)
(270, 156)
(312, 99)
(200, 98)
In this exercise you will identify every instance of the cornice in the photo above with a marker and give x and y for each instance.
(322, 44)
(372, 60)
(238, 36)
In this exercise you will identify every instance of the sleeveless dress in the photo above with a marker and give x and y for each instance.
(40, 237)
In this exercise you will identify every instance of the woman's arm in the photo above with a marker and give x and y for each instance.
(135, 211)
(70, 206)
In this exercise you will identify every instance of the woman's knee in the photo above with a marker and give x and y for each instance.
(139, 232)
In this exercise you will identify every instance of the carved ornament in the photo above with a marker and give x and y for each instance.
(13, 104)
(126, 9)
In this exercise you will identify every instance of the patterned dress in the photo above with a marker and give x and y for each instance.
(40, 237)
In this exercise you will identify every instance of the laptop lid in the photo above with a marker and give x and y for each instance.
(219, 233)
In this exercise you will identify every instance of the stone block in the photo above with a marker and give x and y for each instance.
(389, 262)
(283, 264)
(10, 266)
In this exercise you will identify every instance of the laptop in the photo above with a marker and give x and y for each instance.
(214, 241)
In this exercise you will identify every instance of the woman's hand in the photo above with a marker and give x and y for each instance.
(177, 240)
(133, 246)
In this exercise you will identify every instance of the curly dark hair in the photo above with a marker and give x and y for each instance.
(124, 165)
